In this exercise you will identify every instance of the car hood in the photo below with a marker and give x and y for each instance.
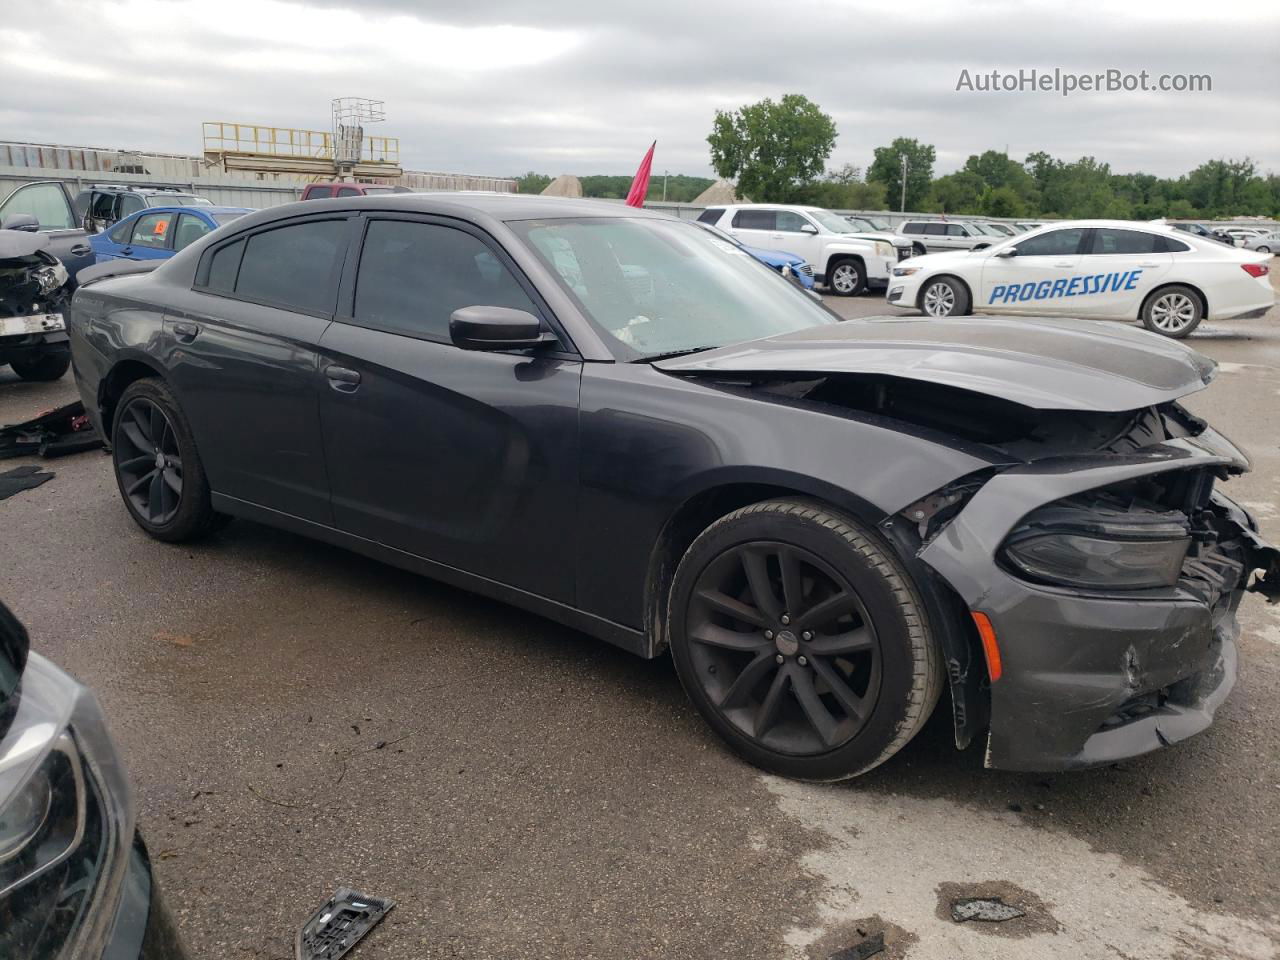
(16, 244)
(775, 258)
(1044, 364)
(929, 260)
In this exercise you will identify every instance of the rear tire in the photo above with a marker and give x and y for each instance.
(1172, 311)
(43, 368)
(157, 466)
(802, 640)
(847, 278)
(944, 297)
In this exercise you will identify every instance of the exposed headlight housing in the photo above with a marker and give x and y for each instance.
(1100, 545)
(66, 821)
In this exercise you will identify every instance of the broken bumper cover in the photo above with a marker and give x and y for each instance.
(1090, 678)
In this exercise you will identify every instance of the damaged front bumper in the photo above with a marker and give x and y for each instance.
(1094, 676)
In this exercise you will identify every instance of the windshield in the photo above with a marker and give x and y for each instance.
(834, 223)
(657, 287)
(878, 223)
(369, 191)
(717, 232)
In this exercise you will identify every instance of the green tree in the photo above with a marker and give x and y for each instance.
(887, 169)
(772, 150)
(532, 182)
(1003, 202)
(959, 192)
(845, 189)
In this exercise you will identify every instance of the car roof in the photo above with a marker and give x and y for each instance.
(497, 206)
(201, 208)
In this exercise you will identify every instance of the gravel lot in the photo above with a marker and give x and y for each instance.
(296, 717)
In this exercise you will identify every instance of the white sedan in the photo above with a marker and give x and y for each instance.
(1101, 269)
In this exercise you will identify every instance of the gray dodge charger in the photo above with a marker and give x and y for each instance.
(618, 421)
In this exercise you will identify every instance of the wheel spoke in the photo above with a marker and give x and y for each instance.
(853, 641)
(173, 481)
(137, 483)
(133, 463)
(712, 636)
(158, 424)
(819, 716)
(133, 433)
(852, 703)
(829, 609)
(752, 674)
(757, 570)
(742, 612)
(155, 497)
(143, 419)
(792, 583)
(767, 715)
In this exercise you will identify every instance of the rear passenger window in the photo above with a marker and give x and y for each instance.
(348, 192)
(935, 229)
(1170, 245)
(913, 228)
(190, 229)
(294, 267)
(413, 276)
(152, 230)
(711, 215)
(756, 220)
(223, 267)
(1109, 241)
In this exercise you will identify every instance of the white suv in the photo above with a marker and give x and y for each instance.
(939, 236)
(846, 262)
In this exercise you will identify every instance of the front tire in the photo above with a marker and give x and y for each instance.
(847, 278)
(944, 297)
(1172, 312)
(44, 367)
(157, 466)
(802, 640)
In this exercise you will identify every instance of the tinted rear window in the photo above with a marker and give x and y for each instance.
(223, 266)
(295, 267)
(711, 215)
(756, 219)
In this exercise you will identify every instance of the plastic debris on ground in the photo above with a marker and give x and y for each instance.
(339, 925)
(985, 909)
(55, 433)
(21, 478)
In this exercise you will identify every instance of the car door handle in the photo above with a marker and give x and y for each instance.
(1065, 263)
(82, 250)
(186, 332)
(342, 379)
(1148, 263)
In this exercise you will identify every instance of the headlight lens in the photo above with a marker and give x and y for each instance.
(905, 271)
(885, 249)
(1100, 545)
(66, 821)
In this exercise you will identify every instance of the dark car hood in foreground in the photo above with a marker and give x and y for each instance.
(1045, 364)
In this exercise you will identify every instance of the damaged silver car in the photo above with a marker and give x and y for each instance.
(618, 421)
(34, 293)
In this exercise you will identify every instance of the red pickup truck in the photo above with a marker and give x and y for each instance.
(322, 191)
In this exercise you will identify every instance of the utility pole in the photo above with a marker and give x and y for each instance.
(665, 174)
(905, 165)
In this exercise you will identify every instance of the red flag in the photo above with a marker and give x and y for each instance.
(640, 185)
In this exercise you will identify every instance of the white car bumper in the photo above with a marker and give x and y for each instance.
(1253, 298)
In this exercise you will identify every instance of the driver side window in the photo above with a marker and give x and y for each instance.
(1055, 243)
(45, 201)
(791, 222)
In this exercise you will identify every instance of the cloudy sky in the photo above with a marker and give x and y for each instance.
(504, 86)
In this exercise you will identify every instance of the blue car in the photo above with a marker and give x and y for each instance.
(788, 264)
(157, 233)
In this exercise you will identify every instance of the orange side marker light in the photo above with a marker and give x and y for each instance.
(989, 646)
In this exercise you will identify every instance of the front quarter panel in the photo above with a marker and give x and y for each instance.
(652, 441)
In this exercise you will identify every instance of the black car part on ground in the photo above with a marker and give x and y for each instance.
(21, 478)
(339, 925)
(54, 433)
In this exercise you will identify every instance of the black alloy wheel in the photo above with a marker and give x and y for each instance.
(157, 467)
(802, 640)
(149, 461)
(783, 646)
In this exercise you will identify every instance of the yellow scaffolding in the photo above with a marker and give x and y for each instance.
(223, 139)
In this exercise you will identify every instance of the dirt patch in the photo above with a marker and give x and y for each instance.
(1037, 916)
(842, 940)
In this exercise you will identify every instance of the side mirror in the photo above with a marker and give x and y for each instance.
(496, 328)
(20, 221)
(1007, 252)
(809, 228)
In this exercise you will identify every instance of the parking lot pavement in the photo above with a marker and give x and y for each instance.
(296, 717)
